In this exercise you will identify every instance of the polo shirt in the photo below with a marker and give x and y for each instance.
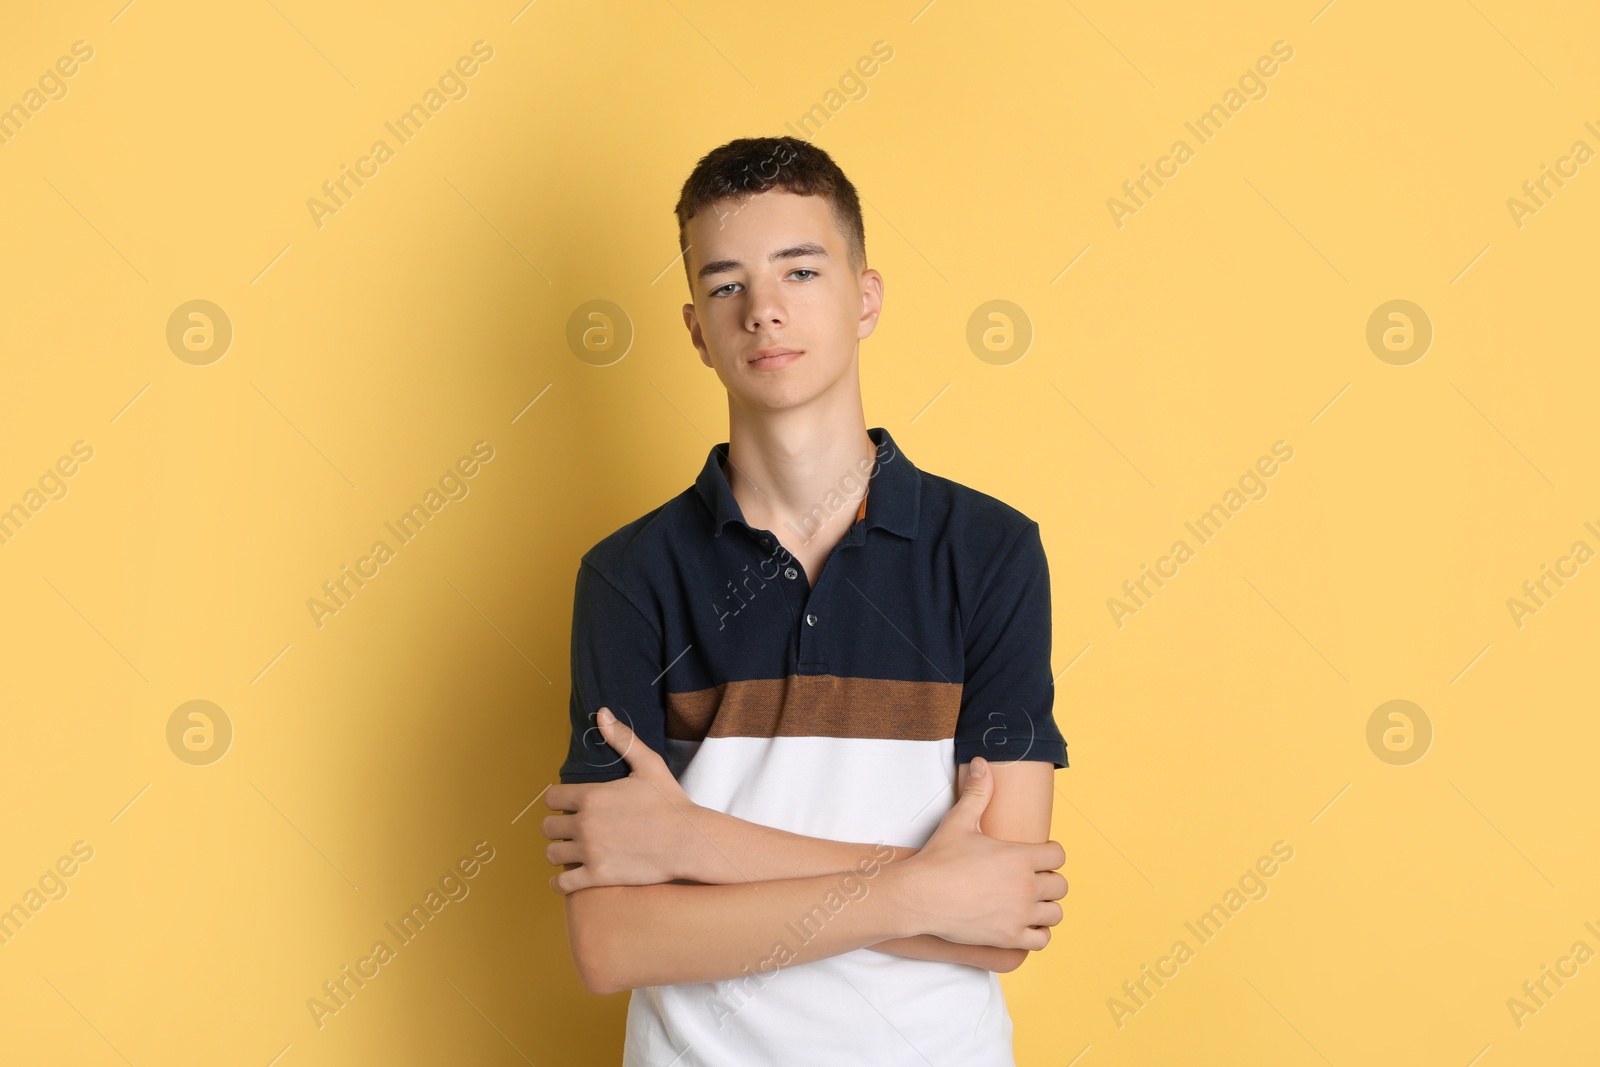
(839, 710)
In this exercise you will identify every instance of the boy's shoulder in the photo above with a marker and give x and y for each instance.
(642, 543)
(947, 501)
(982, 536)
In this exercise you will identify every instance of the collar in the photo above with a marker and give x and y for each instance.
(893, 499)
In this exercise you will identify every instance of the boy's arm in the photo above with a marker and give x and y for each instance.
(1020, 811)
(963, 885)
(644, 830)
(627, 936)
(735, 850)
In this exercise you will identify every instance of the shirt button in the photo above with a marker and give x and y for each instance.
(766, 542)
(811, 620)
(790, 572)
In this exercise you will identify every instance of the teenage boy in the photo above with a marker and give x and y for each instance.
(809, 654)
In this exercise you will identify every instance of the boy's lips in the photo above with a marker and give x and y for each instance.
(774, 357)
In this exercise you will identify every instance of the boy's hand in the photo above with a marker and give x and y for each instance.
(633, 831)
(978, 890)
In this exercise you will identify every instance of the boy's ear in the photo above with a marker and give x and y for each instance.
(695, 336)
(871, 302)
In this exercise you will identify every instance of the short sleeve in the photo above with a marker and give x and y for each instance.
(616, 664)
(1007, 694)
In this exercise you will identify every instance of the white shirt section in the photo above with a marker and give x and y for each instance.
(863, 1007)
(856, 1009)
(843, 789)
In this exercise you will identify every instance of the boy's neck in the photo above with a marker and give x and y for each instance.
(791, 470)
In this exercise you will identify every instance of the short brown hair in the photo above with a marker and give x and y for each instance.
(742, 168)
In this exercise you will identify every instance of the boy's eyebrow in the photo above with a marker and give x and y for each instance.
(722, 266)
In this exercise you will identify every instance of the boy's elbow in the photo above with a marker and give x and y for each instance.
(588, 938)
(1009, 959)
(592, 974)
(594, 982)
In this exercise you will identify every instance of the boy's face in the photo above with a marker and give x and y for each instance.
(773, 274)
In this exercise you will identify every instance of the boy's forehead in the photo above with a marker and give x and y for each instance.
(775, 216)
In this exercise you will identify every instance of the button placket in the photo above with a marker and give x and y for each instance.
(811, 638)
(789, 572)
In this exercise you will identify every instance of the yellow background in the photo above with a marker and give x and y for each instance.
(368, 354)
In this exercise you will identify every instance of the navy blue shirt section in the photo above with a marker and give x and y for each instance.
(938, 585)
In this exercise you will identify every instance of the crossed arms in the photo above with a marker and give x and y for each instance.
(662, 891)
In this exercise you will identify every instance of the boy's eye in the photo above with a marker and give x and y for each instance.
(723, 289)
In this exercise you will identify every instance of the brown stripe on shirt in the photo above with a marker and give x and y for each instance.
(817, 705)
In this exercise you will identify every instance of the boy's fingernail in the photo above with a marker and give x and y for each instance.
(605, 716)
